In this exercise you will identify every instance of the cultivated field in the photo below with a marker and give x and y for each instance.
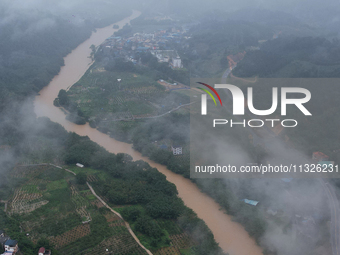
(52, 205)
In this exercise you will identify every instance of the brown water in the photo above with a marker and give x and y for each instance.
(231, 236)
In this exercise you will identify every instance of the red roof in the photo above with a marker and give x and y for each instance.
(42, 250)
(320, 154)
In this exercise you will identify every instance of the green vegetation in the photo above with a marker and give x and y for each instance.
(81, 178)
(110, 105)
(13, 228)
(157, 214)
(56, 203)
(29, 60)
(293, 57)
(39, 60)
(305, 57)
(97, 91)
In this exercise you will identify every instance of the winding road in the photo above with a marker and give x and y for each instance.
(120, 216)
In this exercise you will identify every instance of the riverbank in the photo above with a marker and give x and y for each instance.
(231, 236)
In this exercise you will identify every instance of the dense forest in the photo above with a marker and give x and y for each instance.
(314, 63)
(293, 57)
(28, 64)
(218, 34)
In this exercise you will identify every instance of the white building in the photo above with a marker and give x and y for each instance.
(79, 165)
(176, 62)
(176, 150)
(164, 55)
(11, 246)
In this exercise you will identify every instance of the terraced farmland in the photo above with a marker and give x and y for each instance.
(53, 206)
(71, 236)
(81, 204)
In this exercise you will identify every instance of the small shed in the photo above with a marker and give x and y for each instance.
(43, 251)
(250, 202)
(79, 165)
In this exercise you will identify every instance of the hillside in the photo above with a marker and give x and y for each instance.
(50, 206)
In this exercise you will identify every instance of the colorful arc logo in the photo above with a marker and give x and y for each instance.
(204, 97)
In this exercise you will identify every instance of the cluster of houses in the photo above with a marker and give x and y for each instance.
(169, 56)
(11, 246)
(128, 47)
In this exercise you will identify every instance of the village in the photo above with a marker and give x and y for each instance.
(130, 47)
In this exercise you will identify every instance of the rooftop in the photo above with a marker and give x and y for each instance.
(319, 154)
(11, 243)
(250, 202)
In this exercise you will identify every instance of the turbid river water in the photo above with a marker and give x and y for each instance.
(231, 236)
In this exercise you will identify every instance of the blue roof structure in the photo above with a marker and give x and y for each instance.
(250, 202)
(11, 243)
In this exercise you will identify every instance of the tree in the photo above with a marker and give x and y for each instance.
(63, 99)
(149, 227)
(118, 198)
(43, 242)
(81, 178)
(131, 213)
(165, 207)
(93, 51)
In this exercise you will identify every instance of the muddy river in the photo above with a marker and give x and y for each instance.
(231, 236)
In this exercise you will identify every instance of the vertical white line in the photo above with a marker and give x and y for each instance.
(204, 104)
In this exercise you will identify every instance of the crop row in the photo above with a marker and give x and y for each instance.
(81, 204)
(71, 236)
(181, 241)
(24, 207)
(168, 251)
